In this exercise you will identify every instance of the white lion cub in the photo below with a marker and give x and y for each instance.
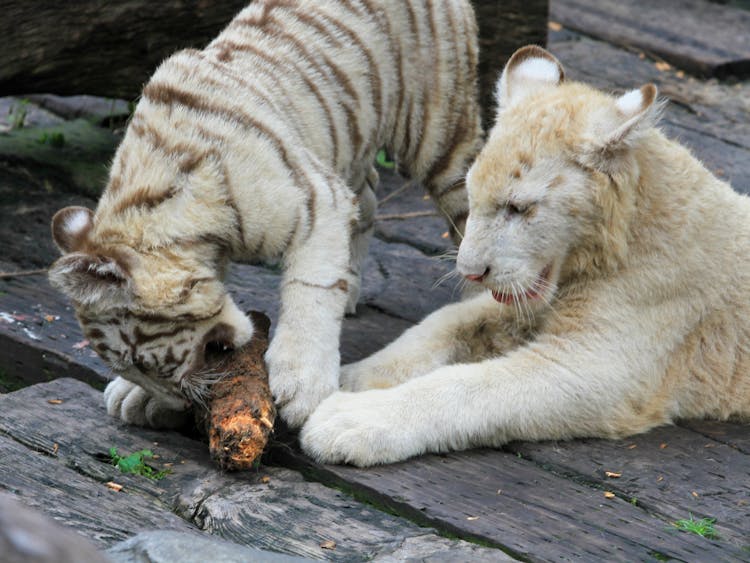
(618, 290)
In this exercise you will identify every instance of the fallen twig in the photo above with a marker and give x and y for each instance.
(409, 215)
(397, 191)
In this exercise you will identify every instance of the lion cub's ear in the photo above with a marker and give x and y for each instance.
(70, 227)
(615, 127)
(634, 110)
(528, 70)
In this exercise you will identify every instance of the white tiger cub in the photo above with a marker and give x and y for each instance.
(618, 290)
(257, 147)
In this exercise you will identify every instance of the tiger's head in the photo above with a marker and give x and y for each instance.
(553, 190)
(153, 314)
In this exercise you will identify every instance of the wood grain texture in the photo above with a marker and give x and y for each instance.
(54, 457)
(671, 471)
(531, 511)
(704, 38)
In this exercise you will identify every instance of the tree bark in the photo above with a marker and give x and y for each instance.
(110, 49)
(504, 26)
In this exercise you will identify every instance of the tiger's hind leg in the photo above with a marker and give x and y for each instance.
(361, 233)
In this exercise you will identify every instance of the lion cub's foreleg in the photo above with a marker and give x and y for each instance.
(547, 389)
(465, 331)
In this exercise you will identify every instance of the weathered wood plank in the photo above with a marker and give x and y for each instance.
(86, 505)
(672, 471)
(27, 536)
(736, 435)
(713, 119)
(512, 502)
(54, 456)
(701, 37)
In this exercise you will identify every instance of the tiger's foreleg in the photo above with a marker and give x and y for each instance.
(134, 405)
(303, 358)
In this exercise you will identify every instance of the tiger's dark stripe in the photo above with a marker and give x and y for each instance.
(376, 82)
(167, 95)
(143, 198)
(341, 80)
(441, 162)
(311, 85)
(386, 28)
(340, 284)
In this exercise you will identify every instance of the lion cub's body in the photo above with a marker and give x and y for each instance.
(640, 315)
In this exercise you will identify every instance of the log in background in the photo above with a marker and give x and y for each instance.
(111, 48)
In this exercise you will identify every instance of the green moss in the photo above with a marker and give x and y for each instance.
(10, 383)
(703, 527)
(134, 463)
(74, 155)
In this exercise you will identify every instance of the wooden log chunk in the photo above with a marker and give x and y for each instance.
(241, 410)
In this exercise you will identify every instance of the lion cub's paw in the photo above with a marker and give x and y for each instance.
(359, 428)
(130, 403)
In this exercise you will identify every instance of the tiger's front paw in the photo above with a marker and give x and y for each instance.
(361, 429)
(130, 403)
(299, 383)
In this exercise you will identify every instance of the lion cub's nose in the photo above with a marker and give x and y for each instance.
(477, 277)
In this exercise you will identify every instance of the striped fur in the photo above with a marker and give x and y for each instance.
(260, 147)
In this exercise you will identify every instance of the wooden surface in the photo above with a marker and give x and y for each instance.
(54, 458)
(536, 509)
(705, 38)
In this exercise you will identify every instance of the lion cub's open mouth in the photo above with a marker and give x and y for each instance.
(534, 292)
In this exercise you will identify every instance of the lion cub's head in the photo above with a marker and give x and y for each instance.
(551, 193)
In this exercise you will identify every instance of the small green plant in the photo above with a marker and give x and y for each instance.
(703, 527)
(134, 463)
(18, 114)
(634, 501)
(55, 139)
(382, 160)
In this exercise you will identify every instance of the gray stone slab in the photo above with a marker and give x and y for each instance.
(168, 547)
(28, 536)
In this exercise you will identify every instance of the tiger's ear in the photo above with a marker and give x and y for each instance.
(528, 70)
(90, 279)
(70, 227)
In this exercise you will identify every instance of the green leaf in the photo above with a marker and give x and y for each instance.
(382, 160)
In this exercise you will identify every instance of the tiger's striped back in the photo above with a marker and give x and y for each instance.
(261, 145)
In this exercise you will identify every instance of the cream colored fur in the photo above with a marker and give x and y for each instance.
(618, 290)
(260, 147)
